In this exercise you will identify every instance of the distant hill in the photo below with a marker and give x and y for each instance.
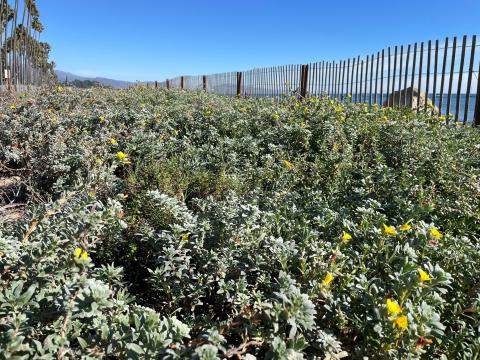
(117, 84)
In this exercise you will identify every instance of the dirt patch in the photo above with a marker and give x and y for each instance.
(11, 212)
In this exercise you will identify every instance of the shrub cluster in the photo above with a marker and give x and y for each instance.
(172, 224)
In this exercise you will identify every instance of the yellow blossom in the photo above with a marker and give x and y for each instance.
(389, 230)
(243, 109)
(13, 106)
(121, 155)
(424, 276)
(385, 118)
(60, 88)
(102, 118)
(393, 307)
(185, 237)
(405, 227)
(401, 322)
(436, 233)
(328, 279)
(442, 118)
(375, 107)
(80, 254)
(338, 109)
(113, 141)
(332, 102)
(276, 116)
(288, 164)
(91, 194)
(346, 236)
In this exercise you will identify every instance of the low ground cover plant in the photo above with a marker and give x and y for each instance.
(172, 224)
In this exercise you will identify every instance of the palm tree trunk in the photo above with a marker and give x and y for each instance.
(1, 41)
(13, 35)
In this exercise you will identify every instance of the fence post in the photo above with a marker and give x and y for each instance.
(156, 84)
(239, 83)
(304, 81)
(476, 115)
(205, 83)
(181, 82)
(168, 84)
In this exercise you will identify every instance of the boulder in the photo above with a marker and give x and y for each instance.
(415, 100)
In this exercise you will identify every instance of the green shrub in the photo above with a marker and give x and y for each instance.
(170, 224)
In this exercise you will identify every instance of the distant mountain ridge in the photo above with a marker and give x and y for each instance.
(117, 84)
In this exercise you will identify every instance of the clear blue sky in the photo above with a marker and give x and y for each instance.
(158, 39)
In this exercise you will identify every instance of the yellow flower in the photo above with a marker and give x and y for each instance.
(13, 106)
(389, 230)
(436, 233)
(338, 109)
(385, 118)
(121, 155)
(60, 88)
(332, 102)
(346, 236)
(288, 164)
(442, 118)
(405, 227)
(402, 322)
(113, 141)
(243, 109)
(276, 116)
(393, 307)
(328, 279)
(424, 276)
(50, 111)
(102, 118)
(99, 161)
(92, 194)
(185, 237)
(80, 254)
(375, 107)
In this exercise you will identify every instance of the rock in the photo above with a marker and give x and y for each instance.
(415, 100)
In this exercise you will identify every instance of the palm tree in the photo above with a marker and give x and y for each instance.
(21, 52)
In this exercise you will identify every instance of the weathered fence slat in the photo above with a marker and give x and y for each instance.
(376, 77)
(394, 76)
(420, 68)
(400, 77)
(427, 88)
(442, 81)
(476, 116)
(469, 80)
(460, 76)
(406, 76)
(371, 81)
(356, 79)
(381, 77)
(412, 84)
(435, 70)
(450, 80)
(389, 55)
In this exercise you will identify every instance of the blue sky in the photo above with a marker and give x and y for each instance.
(158, 39)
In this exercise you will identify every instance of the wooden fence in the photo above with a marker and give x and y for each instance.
(437, 76)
